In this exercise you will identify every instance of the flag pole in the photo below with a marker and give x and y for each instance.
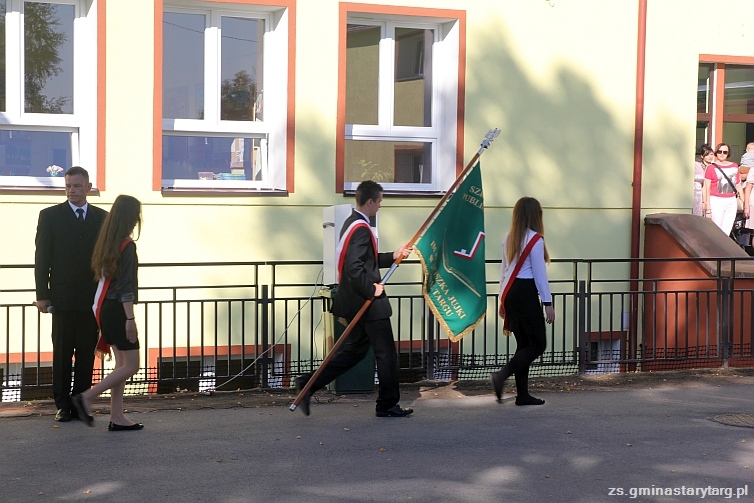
(491, 135)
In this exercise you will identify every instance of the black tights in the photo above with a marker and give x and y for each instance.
(527, 322)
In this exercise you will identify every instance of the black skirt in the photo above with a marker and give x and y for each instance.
(523, 307)
(113, 324)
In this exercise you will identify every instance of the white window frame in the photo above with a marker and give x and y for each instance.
(274, 85)
(82, 123)
(442, 133)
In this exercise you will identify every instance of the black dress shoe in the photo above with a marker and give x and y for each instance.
(395, 411)
(63, 415)
(497, 385)
(119, 427)
(78, 402)
(75, 415)
(529, 400)
(306, 399)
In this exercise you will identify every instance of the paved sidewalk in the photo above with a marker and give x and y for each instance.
(459, 446)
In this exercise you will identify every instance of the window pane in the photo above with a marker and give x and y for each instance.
(213, 158)
(702, 130)
(2, 55)
(739, 89)
(413, 77)
(734, 134)
(183, 66)
(48, 58)
(362, 72)
(241, 69)
(34, 153)
(702, 89)
(388, 162)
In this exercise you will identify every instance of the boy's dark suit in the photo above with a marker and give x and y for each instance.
(359, 272)
(63, 274)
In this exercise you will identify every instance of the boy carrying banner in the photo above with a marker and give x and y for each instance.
(358, 272)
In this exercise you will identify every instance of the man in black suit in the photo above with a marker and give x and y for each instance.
(359, 265)
(65, 286)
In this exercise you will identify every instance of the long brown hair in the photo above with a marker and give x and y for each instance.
(527, 214)
(124, 216)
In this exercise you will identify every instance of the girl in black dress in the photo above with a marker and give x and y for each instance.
(115, 265)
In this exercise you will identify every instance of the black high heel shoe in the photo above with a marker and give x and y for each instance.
(119, 427)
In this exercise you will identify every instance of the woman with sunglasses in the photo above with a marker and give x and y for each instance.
(722, 183)
(706, 156)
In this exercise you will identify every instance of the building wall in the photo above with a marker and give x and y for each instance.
(558, 78)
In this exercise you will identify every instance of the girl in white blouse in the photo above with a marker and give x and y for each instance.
(524, 289)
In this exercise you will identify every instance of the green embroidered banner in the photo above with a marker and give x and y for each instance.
(452, 254)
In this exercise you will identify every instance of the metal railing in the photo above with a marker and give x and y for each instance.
(229, 325)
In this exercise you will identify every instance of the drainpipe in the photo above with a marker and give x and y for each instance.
(636, 183)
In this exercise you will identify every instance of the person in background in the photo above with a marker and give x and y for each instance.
(115, 265)
(65, 287)
(747, 163)
(524, 289)
(721, 187)
(706, 156)
(748, 158)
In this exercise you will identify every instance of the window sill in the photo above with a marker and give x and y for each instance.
(33, 191)
(167, 191)
(402, 193)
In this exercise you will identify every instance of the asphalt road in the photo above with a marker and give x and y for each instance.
(589, 446)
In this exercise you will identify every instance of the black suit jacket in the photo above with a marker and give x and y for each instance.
(63, 258)
(361, 270)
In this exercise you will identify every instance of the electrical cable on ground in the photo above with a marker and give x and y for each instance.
(317, 284)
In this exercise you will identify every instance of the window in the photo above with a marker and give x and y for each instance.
(48, 91)
(224, 106)
(725, 103)
(401, 113)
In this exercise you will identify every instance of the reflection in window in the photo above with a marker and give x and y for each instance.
(213, 158)
(183, 66)
(735, 112)
(362, 74)
(48, 58)
(413, 77)
(222, 109)
(702, 133)
(388, 162)
(34, 153)
(394, 131)
(703, 89)
(739, 89)
(241, 69)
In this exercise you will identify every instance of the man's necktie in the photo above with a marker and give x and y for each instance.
(80, 213)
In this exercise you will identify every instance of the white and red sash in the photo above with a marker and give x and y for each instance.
(345, 238)
(510, 274)
(103, 348)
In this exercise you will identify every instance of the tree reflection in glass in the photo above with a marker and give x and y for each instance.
(48, 58)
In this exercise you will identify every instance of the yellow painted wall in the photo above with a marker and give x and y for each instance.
(558, 77)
